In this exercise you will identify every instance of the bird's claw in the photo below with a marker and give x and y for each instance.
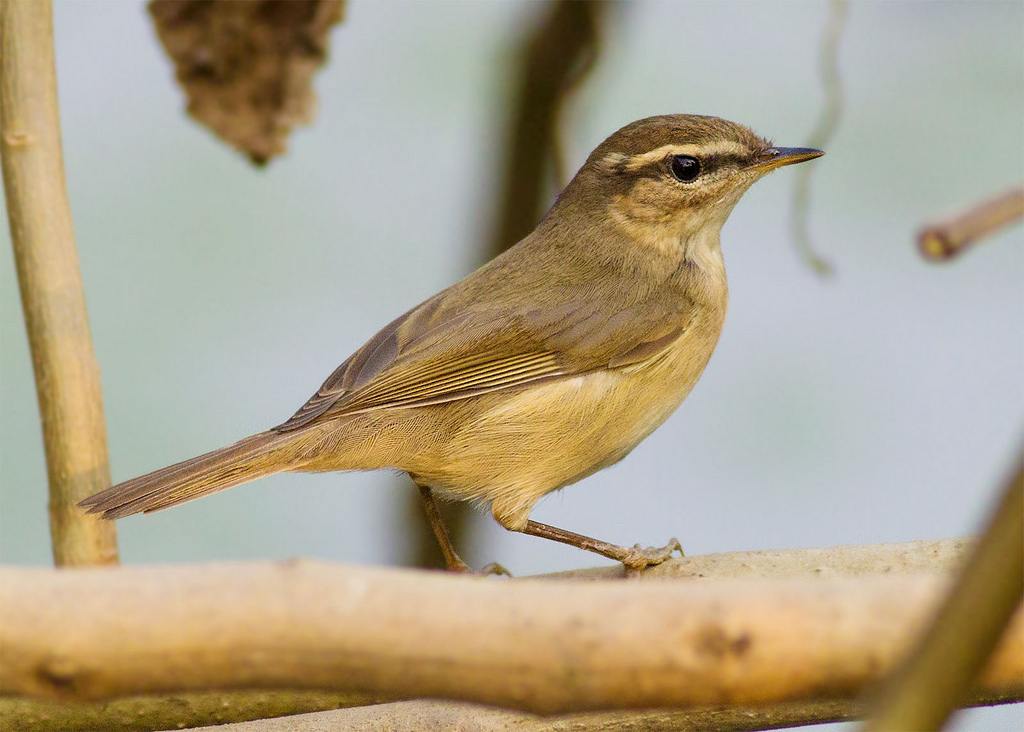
(487, 570)
(639, 558)
(493, 568)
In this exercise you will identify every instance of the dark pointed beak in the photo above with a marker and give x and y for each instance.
(776, 157)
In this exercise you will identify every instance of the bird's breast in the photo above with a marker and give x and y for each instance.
(550, 434)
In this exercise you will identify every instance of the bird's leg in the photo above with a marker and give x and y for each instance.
(451, 558)
(635, 559)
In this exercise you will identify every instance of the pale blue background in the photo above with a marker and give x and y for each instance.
(881, 405)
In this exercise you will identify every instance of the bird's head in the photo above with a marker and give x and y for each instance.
(677, 176)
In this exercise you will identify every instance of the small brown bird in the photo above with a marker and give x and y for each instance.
(550, 362)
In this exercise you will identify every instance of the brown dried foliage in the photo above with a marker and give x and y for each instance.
(247, 67)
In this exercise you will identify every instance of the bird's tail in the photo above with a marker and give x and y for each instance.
(248, 459)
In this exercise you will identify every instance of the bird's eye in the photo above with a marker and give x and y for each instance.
(685, 168)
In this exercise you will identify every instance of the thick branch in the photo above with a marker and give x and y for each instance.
(414, 716)
(169, 712)
(554, 646)
(67, 377)
(842, 561)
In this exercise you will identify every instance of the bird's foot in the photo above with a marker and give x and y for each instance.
(487, 570)
(493, 568)
(638, 558)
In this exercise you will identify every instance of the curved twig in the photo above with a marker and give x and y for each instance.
(832, 83)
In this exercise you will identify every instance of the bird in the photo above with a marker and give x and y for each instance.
(548, 363)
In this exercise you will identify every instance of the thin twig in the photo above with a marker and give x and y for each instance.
(948, 238)
(941, 671)
(832, 83)
(67, 376)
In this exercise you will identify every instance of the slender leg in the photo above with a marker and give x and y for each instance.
(451, 557)
(635, 559)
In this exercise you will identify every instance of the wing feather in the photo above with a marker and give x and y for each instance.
(503, 373)
(449, 348)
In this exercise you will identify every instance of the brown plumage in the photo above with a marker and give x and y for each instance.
(546, 364)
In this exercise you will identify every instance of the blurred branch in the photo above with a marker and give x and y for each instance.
(942, 669)
(66, 373)
(832, 82)
(946, 239)
(169, 712)
(588, 54)
(315, 711)
(247, 67)
(414, 716)
(556, 646)
(555, 58)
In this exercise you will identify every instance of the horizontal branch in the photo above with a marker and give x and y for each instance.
(910, 557)
(298, 711)
(552, 647)
(413, 716)
(179, 711)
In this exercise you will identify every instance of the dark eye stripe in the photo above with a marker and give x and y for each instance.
(708, 163)
(721, 160)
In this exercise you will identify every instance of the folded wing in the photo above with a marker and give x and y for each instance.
(447, 349)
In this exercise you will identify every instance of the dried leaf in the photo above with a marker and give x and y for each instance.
(247, 67)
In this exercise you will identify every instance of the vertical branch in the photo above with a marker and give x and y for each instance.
(823, 132)
(555, 57)
(67, 376)
(939, 674)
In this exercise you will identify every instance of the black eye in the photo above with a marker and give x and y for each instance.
(685, 168)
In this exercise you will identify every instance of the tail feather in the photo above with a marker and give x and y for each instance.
(246, 460)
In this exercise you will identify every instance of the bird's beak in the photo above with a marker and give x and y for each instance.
(776, 157)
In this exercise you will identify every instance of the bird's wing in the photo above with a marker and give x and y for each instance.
(442, 351)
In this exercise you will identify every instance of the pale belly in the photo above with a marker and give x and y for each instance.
(519, 447)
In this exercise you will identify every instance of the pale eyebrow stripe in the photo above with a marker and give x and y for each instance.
(635, 162)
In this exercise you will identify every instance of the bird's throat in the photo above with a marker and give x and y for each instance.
(703, 250)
